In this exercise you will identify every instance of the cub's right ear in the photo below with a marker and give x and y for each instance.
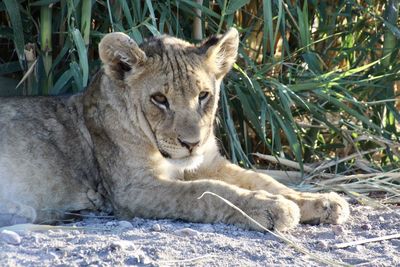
(119, 54)
(221, 52)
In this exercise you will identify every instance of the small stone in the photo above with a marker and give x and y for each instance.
(75, 232)
(143, 259)
(366, 226)
(64, 250)
(338, 229)
(186, 232)
(10, 237)
(381, 219)
(138, 258)
(122, 245)
(125, 224)
(110, 224)
(156, 227)
(323, 244)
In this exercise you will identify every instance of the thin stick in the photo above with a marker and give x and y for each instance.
(350, 157)
(286, 177)
(197, 26)
(369, 240)
(282, 161)
(38, 227)
(361, 176)
(90, 216)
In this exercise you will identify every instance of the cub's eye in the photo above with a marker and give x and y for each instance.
(203, 95)
(160, 100)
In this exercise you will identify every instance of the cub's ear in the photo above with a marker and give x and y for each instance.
(221, 52)
(119, 54)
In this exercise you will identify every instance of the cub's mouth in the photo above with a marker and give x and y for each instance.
(165, 154)
(175, 152)
(188, 162)
(168, 155)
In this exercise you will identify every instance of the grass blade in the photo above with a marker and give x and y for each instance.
(82, 53)
(13, 11)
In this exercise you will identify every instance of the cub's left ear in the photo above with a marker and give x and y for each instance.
(120, 54)
(221, 52)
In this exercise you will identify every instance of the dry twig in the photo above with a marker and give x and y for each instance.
(369, 240)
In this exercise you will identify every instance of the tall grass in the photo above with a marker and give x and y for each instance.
(315, 81)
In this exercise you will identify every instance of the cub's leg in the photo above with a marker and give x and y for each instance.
(158, 199)
(14, 213)
(314, 207)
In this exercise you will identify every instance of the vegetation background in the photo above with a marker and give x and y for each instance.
(316, 84)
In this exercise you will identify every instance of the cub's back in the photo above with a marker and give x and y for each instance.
(29, 121)
(45, 150)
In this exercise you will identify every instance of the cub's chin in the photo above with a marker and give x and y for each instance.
(188, 163)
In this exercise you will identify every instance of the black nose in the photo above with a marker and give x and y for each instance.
(188, 145)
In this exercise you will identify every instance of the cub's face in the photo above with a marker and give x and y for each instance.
(180, 109)
(174, 85)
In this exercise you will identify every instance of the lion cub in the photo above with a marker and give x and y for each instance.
(140, 142)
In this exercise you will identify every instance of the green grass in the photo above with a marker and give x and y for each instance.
(315, 81)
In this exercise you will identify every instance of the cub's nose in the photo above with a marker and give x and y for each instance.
(189, 145)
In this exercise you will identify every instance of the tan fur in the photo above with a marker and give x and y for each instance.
(140, 142)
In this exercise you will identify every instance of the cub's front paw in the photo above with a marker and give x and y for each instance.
(323, 208)
(272, 212)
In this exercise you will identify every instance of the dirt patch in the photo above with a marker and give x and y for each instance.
(174, 243)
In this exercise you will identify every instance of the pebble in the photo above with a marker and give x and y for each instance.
(122, 245)
(186, 232)
(125, 224)
(65, 250)
(323, 244)
(10, 237)
(156, 227)
(338, 229)
(381, 219)
(111, 224)
(75, 232)
(138, 258)
(144, 259)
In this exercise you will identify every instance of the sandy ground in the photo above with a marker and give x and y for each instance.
(139, 242)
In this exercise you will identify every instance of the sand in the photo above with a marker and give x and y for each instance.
(140, 242)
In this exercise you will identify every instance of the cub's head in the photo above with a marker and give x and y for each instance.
(174, 87)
